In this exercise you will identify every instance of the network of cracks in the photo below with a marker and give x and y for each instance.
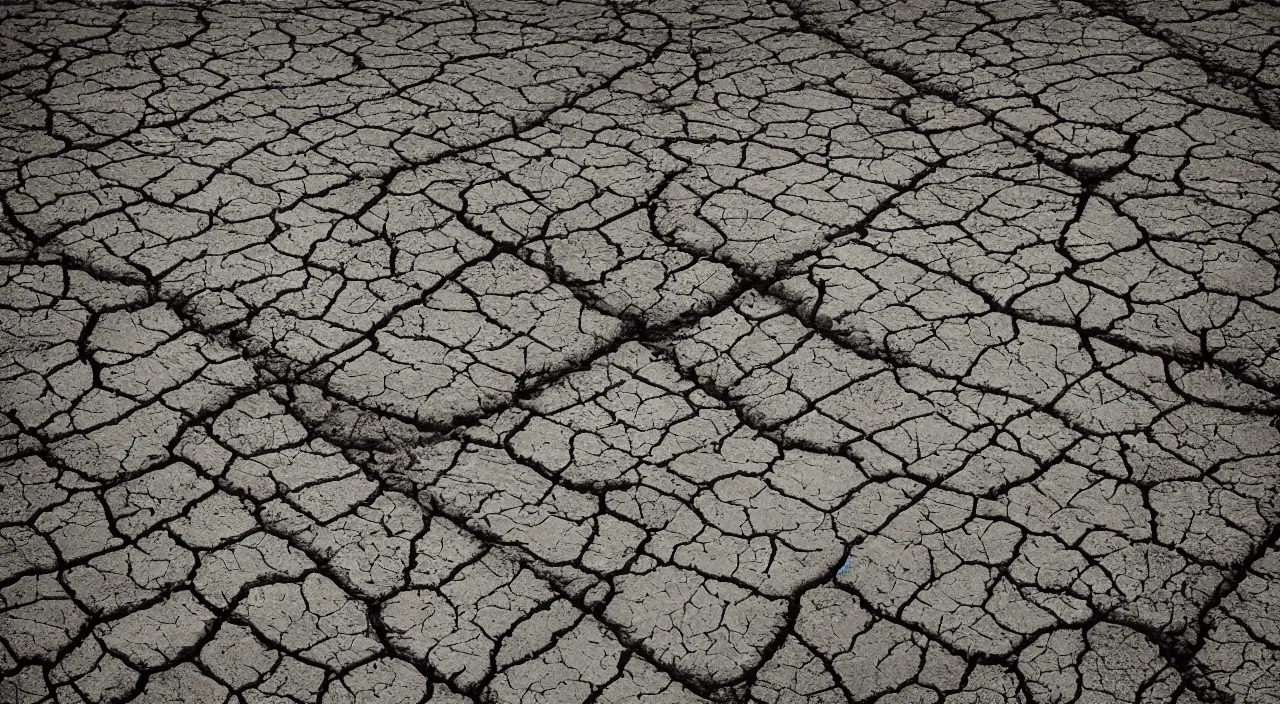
(649, 351)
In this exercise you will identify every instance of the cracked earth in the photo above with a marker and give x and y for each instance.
(649, 351)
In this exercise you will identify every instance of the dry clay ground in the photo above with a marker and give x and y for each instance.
(644, 351)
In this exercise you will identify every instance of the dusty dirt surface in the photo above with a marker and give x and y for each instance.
(644, 351)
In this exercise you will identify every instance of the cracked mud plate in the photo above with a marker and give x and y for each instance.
(646, 352)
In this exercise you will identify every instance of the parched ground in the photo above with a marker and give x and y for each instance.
(649, 351)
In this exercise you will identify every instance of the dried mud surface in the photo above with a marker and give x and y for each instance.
(644, 351)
